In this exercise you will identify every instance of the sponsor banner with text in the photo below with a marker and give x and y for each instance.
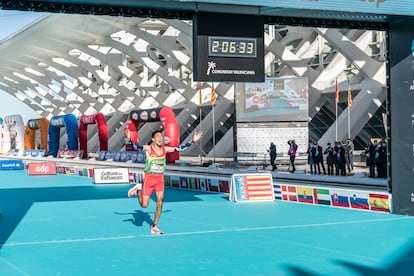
(111, 176)
(11, 165)
(41, 169)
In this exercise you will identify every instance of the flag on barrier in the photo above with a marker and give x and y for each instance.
(305, 194)
(321, 196)
(289, 193)
(379, 202)
(251, 187)
(359, 200)
(278, 191)
(339, 198)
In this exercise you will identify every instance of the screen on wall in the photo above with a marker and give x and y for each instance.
(275, 100)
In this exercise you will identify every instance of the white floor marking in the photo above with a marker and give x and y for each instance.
(286, 226)
(206, 231)
(13, 266)
(69, 241)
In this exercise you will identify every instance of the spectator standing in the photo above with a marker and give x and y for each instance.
(339, 159)
(312, 158)
(273, 154)
(330, 158)
(380, 158)
(384, 157)
(349, 152)
(293, 147)
(369, 154)
(377, 158)
(319, 158)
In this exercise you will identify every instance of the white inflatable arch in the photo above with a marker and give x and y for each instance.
(12, 134)
(1, 135)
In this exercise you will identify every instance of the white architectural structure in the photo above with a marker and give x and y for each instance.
(84, 64)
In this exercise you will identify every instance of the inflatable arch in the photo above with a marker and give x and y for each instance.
(12, 134)
(86, 120)
(68, 121)
(32, 126)
(166, 116)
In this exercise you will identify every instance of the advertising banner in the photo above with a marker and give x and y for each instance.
(41, 169)
(69, 154)
(111, 176)
(34, 153)
(256, 137)
(11, 165)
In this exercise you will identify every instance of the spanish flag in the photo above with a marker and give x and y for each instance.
(349, 94)
(213, 95)
(337, 92)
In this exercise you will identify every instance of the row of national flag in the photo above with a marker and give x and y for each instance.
(380, 202)
(349, 93)
(213, 94)
(88, 172)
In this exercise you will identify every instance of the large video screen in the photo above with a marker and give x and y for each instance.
(275, 100)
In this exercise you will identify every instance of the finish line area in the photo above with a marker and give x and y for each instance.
(64, 224)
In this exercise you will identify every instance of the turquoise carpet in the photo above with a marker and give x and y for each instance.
(65, 225)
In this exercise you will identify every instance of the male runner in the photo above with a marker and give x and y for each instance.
(155, 165)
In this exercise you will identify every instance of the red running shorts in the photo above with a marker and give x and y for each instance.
(152, 181)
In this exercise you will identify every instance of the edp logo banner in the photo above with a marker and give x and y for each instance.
(11, 165)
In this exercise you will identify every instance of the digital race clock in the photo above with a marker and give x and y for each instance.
(232, 47)
(228, 47)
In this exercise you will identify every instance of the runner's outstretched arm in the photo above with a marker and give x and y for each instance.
(197, 136)
(139, 147)
(136, 146)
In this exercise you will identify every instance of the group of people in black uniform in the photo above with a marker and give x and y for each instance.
(376, 158)
(338, 157)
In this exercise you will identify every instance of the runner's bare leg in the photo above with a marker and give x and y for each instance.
(160, 199)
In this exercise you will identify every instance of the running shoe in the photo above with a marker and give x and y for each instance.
(134, 190)
(156, 231)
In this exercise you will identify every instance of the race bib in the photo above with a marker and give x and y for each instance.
(156, 168)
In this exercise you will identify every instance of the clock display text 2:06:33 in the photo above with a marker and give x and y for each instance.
(232, 47)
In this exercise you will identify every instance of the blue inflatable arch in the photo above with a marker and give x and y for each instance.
(68, 121)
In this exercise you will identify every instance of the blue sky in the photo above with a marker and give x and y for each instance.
(11, 22)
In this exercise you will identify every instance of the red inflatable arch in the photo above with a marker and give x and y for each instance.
(86, 120)
(164, 115)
